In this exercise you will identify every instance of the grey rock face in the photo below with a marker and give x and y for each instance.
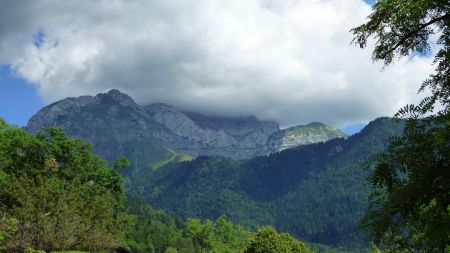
(81, 117)
(115, 118)
(112, 122)
(242, 137)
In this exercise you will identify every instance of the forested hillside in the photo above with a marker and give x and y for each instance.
(155, 231)
(317, 192)
(56, 195)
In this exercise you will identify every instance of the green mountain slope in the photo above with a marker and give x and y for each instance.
(313, 132)
(114, 124)
(314, 128)
(316, 192)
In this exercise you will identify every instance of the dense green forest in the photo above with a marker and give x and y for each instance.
(56, 195)
(316, 192)
(156, 231)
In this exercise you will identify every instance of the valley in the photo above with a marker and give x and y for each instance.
(307, 180)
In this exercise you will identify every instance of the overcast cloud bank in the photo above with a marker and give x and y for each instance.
(290, 61)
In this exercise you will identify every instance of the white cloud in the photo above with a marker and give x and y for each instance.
(286, 60)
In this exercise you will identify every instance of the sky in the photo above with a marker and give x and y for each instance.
(18, 99)
(286, 60)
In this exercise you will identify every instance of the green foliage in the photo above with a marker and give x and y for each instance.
(411, 182)
(321, 248)
(267, 240)
(204, 188)
(220, 237)
(59, 194)
(403, 27)
(8, 227)
(121, 163)
(411, 190)
(30, 250)
(316, 192)
(171, 250)
(149, 230)
(69, 251)
(173, 157)
(56, 195)
(155, 231)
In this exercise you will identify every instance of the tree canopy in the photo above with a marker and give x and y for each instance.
(410, 201)
(407, 27)
(267, 240)
(56, 194)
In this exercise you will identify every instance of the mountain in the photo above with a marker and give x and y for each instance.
(317, 192)
(152, 135)
(240, 137)
(113, 123)
(313, 132)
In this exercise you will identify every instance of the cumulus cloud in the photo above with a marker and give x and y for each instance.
(287, 60)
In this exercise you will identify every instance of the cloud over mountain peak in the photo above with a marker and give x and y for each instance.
(285, 60)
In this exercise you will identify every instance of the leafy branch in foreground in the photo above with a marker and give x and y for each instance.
(404, 27)
(410, 202)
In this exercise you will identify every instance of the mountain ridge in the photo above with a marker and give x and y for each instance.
(189, 133)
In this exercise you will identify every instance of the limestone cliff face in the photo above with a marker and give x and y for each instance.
(117, 126)
(88, 117)
(242, 137)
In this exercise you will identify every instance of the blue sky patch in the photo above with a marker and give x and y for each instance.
(353, 128)
(19, 100)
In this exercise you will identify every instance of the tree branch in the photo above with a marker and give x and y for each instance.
(412, 33)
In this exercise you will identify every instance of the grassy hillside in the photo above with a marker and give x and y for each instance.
(171, 157)
(315, 128)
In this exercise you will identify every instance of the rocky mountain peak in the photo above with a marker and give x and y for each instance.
(117, 95)
(105, 103)
(122, 99)
(114, 117)
(48, 115)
